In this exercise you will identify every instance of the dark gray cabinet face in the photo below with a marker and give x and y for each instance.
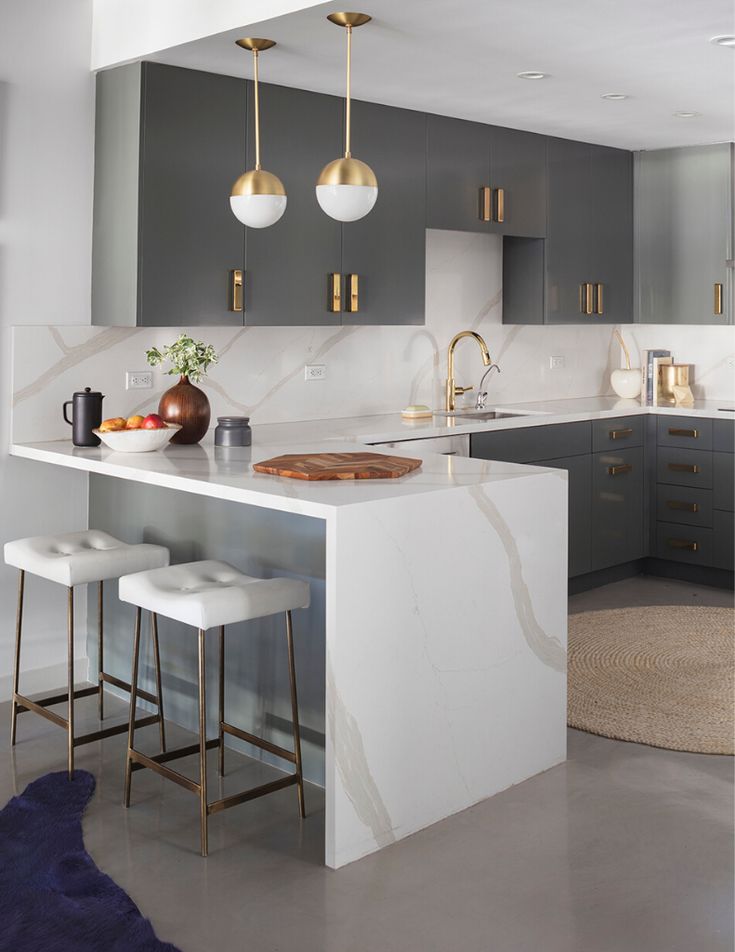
(529, 444)
(723, 541)
(192, 150)
(617, 507)
(611, 187)
(458, 165)
(518, 167)
(387, 248)
(684, 505)
(286, 265)
(684, 467)
(579, 469)
(693, 433)
(689, 544)
(723, 481)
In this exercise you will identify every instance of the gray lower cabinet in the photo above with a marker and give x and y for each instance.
(617, 507)
(684, 235)
(579, 469)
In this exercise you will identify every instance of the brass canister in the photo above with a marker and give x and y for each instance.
(672, 375)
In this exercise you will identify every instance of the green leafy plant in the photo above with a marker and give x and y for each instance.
(188, 358)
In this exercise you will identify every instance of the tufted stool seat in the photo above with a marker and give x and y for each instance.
(70, 559)
(207, 595)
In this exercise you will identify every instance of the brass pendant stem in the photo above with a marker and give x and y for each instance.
(257, 110)
(348, 107)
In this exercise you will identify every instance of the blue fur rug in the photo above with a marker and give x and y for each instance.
(52, 896)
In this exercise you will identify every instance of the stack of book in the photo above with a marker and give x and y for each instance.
(651, 374)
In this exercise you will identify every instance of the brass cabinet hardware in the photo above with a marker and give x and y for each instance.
(718, 299)
(500, 205)
(683, 467)
(599, 300)
(235, 300)
(585, 298)
(682, 506)
(352, 293)
(486, 204)
(683, 544)
(334, 292)
(617, 470)
(619, 434)
(677, 431)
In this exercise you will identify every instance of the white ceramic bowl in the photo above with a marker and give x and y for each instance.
(138, 441)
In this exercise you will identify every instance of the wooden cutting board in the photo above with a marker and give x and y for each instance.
(338, 466)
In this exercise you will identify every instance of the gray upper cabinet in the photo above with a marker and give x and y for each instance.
(458, 164)
(167, 152)
(611, 206)
(684, 235)
(287, 264)
(518, 182)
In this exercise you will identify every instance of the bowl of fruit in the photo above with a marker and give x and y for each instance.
(136, 434)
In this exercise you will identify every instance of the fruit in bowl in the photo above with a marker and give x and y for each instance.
(137, 434)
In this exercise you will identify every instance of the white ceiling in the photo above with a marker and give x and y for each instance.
(460, 58)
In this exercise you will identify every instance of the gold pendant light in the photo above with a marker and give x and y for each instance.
(258, 198)
(347, 188)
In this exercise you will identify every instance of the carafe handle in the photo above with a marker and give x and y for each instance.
(63, 410)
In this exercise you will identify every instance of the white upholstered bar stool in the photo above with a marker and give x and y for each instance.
(72, 559)
(206, 595)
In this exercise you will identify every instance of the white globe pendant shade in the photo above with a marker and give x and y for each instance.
(347, 189)
(258, 199)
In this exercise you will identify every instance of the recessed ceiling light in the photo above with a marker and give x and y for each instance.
(532, 74)
(686, 115)
(615, 97)
(726, 39)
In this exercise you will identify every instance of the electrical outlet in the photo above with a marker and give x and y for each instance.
(731, 363)
(556, 363)
(138, 380)
(315, 371)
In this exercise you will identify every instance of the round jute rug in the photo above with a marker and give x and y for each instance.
(663, 676)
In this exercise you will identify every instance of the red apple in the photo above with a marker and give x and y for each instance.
(153, 422)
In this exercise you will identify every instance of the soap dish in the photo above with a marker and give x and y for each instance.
(416, 411)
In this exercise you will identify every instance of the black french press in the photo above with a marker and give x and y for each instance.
(86, 415)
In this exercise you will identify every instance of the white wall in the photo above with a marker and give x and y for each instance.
(46, 138)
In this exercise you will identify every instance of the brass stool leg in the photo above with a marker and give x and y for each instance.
(133, 702)
(295, 713)
(100, 651)
(202, 744)
(221, 700)
(70, 679)
(159, 690)
(16, 660)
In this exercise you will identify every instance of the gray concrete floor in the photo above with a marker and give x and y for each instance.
(623, 848)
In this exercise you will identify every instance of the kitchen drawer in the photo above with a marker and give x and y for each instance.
(723, 435)
(532, 443)
(723, 541)
(723, 480)
(684, 505)
(690, 432)
(691, 544)
(617, 507)
(618, 433)
(679, 467)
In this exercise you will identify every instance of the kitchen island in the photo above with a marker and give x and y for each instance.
(432, 659)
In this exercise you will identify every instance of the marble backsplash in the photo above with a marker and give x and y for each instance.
(369, 369)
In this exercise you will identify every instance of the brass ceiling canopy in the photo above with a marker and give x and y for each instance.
(254, 43)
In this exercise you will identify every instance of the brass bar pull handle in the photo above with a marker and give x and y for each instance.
(683, 468)
(588, 296)
(486, 204)
(682, 506)
(677, 431)
(334, 292)
(619, 434)
(617, 470)
(599, 300)
(718, 299)
(235, 297)
(581, 298)
(352, 304)
(500, 205)
(683, 544)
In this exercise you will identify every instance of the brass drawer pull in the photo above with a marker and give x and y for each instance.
(599, 300)
(500, 205)
(619, 434)
(236, 286)
(683, 467)
(352, 305)
(334, 292)
(585, 298)
(677, 431)
(486, 204)
(683, 544)
(617, 470)
(717, 309)
(682, 506)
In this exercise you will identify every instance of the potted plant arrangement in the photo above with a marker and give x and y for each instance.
(185, 403)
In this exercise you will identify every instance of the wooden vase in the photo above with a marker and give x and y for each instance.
(188, 405)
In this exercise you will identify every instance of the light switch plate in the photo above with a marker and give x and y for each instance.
(138, 380)
(556, 363)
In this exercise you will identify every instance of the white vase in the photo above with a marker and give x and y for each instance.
(626, 383)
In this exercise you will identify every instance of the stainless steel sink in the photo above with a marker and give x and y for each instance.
(472, 416)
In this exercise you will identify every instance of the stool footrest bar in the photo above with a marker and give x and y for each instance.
(163, 770)
(125, 686)
(177, 754)
(263, 790)
(259, 742)
(112, 731)
(38, 708)
(55, 698)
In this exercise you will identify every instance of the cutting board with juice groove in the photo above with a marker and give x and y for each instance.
(315, 466)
